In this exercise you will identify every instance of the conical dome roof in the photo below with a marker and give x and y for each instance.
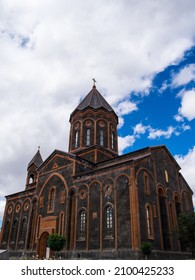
(95, 100)
(36, 160)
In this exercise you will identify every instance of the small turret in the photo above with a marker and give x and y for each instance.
(35, 162)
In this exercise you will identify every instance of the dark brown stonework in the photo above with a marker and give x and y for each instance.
(105, 205)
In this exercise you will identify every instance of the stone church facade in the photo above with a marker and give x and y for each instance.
(105, 205)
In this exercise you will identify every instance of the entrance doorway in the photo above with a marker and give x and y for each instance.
(42, 244)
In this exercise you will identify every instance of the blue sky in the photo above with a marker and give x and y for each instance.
(142, 54)
(158, 116)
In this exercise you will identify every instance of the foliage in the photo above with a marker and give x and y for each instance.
(186, 229)
(146, 248)
(56, 242)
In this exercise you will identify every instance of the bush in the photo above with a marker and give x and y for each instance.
(146, 248)
(56, 242)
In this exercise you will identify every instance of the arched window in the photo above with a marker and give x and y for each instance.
(149, 222)
(38, 226)
(82, 224)
(112, 140)
(171, 216)
(6, 232)
(14, 231)
(31, 179)
(146, 183)
(23, 229)
(101, 137)
(166, 176)
(109, 221)
(51, 202)
(76, 143)
(61, 223)
(88, 137)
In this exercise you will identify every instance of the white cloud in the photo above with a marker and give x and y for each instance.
(50, 50)
(120, 122)
(125, 142)
(178, 118)
(125, 107)
(140, 129)
(187, 108)
(157, 133)
(186, 75)
(187, 163)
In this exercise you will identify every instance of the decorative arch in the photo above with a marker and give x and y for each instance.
(161, 190)
(48, 179)
(143, 169)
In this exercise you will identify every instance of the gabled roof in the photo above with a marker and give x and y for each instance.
(72, 157)
(94, 100)
(36, 160)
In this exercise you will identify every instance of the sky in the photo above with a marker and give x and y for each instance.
(142, 54)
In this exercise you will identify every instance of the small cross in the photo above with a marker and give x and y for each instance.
(94, 81)
(39, 147)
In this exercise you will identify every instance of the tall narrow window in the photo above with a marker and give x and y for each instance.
(76, 143)
(109, 221)
(6, 232)
(149, 222)
(14, 231)
(23, 229)
(61, 223)
(83, 224)
(88, 137)
(101, 137)
(166, 176)
(171, 216)
(112, 140)
(51, 203)
(38, 226)
(146, 183)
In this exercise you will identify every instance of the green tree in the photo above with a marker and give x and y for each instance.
(146, 248)
(56, 242)
(186, 230)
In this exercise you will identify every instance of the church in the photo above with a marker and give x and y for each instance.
(105, 204)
